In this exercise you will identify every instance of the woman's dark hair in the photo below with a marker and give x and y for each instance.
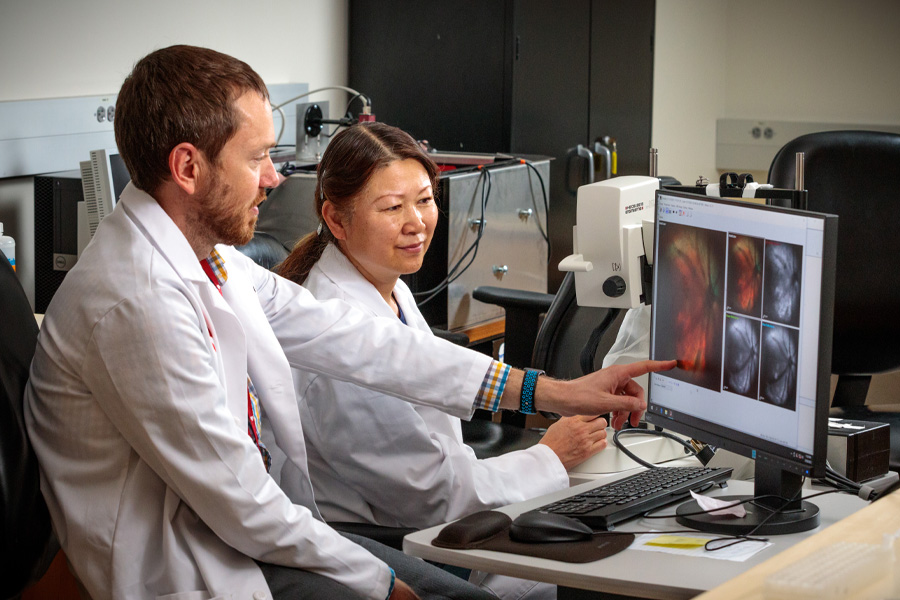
(347, 165)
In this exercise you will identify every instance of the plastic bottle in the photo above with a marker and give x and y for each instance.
(8, 246)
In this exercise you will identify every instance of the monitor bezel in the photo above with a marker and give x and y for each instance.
(744, 444)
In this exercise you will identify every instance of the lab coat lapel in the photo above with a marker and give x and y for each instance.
(341, 271)
(271, 374)
(266, 363)
(407, 304)
(229, 338)
(217, 316)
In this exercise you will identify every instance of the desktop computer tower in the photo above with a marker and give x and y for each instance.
(56, 200)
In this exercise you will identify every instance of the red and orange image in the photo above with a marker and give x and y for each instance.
(690, 302)
(745, 269)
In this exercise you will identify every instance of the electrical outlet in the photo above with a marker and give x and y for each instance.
(56, 134)
(311, 147)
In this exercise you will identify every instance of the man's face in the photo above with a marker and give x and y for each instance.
(236, 185)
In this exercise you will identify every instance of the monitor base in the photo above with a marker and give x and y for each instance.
(758, 520)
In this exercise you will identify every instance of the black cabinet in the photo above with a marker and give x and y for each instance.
(520, 76)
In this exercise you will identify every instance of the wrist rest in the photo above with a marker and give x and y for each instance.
(489, 530)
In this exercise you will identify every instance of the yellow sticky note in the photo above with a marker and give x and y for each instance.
(676, 541)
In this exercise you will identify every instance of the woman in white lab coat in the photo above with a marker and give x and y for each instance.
(374, 458)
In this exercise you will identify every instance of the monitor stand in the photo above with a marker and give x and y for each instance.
(771, 485)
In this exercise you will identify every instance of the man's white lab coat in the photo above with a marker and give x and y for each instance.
(376, 459)
(137, 410)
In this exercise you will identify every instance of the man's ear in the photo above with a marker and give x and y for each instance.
(186, 166)
(333, 220)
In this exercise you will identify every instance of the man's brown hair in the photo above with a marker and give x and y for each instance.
(175, 95)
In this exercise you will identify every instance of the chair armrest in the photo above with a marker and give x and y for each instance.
(523, 310)
(513, 298)
(460, 339)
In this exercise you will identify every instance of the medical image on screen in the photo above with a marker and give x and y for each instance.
(745, 271)
(689, 316)
(778, 366)
(741, 370)
(783, 274)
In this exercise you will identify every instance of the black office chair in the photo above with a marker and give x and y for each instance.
(856, 175)
(264, 250)
(570, 342)
(27, 538)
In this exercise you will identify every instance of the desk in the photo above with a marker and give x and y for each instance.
(629, 573)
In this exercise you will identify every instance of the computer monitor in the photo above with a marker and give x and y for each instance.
(103, 178)
(743, 299)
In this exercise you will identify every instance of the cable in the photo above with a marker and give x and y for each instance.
(323, 89)
(638, 431)
(278, 107)
(452, 274)
(546, 203)
(472, 251)
(746, 537)
(349, 104)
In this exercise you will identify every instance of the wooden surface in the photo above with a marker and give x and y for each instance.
(864, 526)
(56, 584)
(486, 331)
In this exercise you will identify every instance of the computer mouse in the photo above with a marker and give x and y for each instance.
(540, 528)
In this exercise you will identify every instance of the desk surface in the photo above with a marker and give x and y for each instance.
(632, 572)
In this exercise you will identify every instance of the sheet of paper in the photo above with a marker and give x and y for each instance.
(693, 545)
(710, 504)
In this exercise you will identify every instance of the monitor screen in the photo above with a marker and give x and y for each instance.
(103, 178)
(742, 298)
(120, 175)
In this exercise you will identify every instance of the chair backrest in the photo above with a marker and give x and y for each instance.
(856, 175)
(264, 250)
(26, 537)
(572, 339)
(289, 211)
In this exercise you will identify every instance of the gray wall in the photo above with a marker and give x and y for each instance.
(54, 49)
(799, 60)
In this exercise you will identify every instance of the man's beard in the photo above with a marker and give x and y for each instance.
(220, 219)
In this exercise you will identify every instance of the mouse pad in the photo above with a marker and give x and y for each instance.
(489, 530)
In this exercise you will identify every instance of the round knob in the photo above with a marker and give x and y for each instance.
(614, 286)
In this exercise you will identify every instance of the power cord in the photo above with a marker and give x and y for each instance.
(654, 432)
(544, 233)
(711, 545)
(456, 271)
(277, 108)
(869, 491)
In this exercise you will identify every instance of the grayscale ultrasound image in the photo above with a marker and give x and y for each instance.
(778, 366)
(742, 356)
(783, 274)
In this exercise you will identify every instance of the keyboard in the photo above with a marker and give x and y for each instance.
(606, 505)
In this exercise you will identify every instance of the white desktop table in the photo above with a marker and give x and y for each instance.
(630, 573)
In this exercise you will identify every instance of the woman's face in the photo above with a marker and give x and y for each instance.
(391, 223)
